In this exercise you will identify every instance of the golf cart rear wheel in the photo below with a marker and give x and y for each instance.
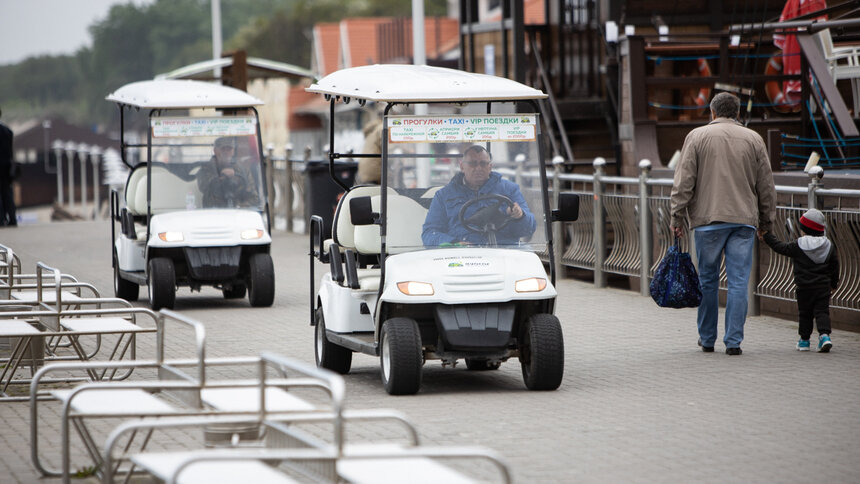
(261, 287)
(400, 356)
(236, 291)
(481, 364)
(121, 288)
(162, 283)
(542, 352)
(329, 355)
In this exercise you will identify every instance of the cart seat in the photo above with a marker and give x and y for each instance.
(404, 226)
(169, 192)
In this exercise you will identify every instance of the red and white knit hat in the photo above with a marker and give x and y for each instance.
(813, 222)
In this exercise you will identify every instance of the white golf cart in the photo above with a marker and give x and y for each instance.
(401, 288)
(189, 217)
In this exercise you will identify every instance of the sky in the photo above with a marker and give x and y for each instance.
(54, 27)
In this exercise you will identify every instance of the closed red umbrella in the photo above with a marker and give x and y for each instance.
(790, 47)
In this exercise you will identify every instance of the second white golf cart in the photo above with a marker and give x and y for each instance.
(195, 209)
(399, 286)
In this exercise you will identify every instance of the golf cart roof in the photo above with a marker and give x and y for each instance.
(181, 94)
(406, 83)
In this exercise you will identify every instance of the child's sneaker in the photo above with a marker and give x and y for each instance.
(803, 345)
(824, 343)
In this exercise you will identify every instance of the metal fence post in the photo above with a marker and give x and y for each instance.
(288, 186)
(816, 173)
(83, 154)
(646, 229)
(70, 155)
(57, 146)
(95, 158)
(270, 180)
(599, 224)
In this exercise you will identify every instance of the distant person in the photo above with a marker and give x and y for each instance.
(370, 169)
(816, 275)
(8, 172)
(476, 181)
(724, 185)
(224, 182)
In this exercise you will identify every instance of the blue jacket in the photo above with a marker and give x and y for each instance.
(442, 224)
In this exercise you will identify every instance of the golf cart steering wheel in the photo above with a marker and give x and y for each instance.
(489, 219)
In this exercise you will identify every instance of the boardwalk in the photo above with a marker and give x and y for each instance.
(639, 401)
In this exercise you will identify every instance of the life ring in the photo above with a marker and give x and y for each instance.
(774, 91)
(704, 95)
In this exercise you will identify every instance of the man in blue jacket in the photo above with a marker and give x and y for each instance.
(476, 179)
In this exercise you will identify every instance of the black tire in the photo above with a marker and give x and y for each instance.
(236, 291)
(122, 288)
(261, 280)
(162, 283)
(400, 356)
(481, 364)
(327, 354)
(541, 346)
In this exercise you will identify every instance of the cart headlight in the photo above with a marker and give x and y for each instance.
(412, 288)
(171, 236)
(532, 284)
(251, 234)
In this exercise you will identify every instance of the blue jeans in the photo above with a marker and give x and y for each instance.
(737, 243)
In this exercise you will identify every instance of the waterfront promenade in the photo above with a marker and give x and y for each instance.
(639, 401)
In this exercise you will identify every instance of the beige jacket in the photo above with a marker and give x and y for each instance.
(723, 176)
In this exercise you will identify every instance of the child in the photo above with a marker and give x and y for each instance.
(816, 275)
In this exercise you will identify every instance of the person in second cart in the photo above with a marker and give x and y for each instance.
(498, 209)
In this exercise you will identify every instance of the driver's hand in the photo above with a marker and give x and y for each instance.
(228, 171)
(516, 212)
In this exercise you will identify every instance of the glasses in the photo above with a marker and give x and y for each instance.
(474, 163)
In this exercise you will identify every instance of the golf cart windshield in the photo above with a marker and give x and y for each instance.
(464, 180)
(205, 162)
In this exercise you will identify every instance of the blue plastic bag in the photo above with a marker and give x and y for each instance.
(676, 282)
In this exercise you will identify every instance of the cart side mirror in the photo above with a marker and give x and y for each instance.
(568, 208)
(361, 211)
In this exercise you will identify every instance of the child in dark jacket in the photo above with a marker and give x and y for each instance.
(816, 275)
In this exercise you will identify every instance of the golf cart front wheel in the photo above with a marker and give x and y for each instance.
(121, 288)
(400, 356)
(542, 352)
(261, 290)
(162, 283)
(329, 355)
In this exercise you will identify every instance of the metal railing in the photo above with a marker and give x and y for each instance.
(628, 219)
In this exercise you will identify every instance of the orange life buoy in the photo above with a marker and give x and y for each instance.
(774, 90)
(704, 96)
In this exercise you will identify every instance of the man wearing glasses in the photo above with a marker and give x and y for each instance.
(223, 182)
(477, 207)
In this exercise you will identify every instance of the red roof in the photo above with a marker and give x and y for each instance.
(359, 41)
(326, 49)
(533, 13)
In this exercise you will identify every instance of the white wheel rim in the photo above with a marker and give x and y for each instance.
(386, 359)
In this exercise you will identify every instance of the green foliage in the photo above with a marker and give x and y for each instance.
(136, 42)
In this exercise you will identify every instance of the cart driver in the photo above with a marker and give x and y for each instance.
(224, 182)
(477, 206)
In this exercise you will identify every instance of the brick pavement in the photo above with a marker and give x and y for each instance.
(639, 402)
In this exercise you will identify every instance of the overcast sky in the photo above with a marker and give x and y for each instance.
(35, 27)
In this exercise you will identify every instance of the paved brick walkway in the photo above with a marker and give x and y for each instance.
(639, 402)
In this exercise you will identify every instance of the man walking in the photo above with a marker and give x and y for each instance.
(724, 185)
(7, 175)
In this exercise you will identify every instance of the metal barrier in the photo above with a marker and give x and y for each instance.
(621, 215)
